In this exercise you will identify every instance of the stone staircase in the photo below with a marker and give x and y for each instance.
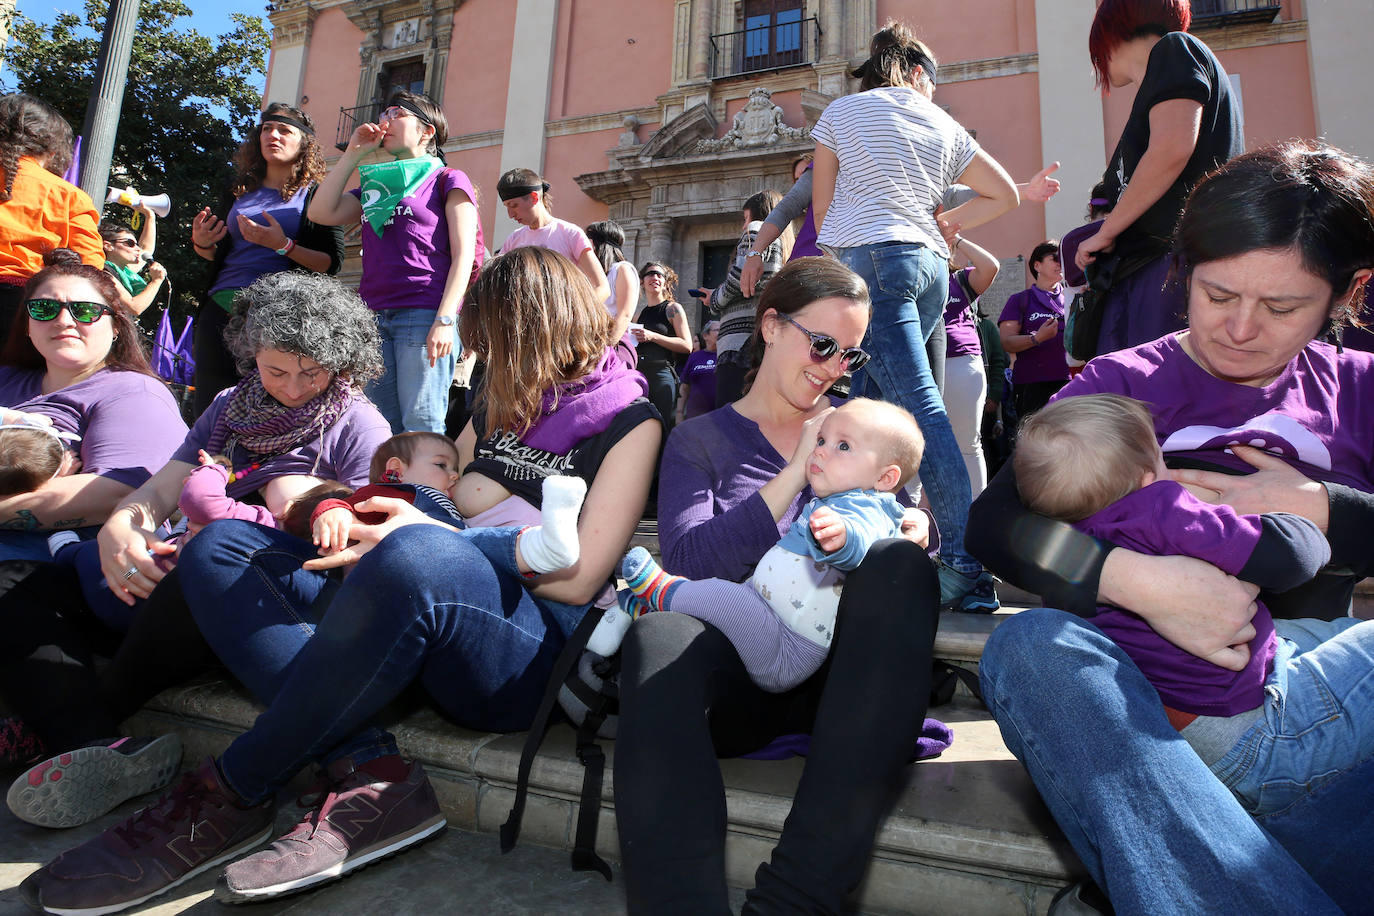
(969, 834)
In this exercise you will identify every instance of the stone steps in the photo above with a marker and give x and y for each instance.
(969, 834)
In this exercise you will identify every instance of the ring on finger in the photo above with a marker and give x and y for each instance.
(133, 571)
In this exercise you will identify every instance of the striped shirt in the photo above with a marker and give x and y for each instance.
(898, 154)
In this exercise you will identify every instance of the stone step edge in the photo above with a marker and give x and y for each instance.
(556, 776)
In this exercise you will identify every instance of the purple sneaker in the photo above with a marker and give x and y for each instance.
(196, 826)
(76, 787)
(358, 820)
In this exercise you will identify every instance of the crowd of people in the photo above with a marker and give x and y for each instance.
(1192, 503)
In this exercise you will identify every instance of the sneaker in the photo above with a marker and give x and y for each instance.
(358, 820)
(18, 745)
(79, 786)
(969, 594)
(196, 826)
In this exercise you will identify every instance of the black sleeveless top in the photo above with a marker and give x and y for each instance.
(655, 318)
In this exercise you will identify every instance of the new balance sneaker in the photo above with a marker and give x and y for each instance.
(359, 819)
(196, 826)
(18, 745)
(76, 787)
(969, 594)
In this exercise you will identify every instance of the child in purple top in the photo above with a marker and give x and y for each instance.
(782, 619)
(422, 247)
(1094, 460)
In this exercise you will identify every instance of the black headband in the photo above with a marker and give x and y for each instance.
(510, 192)
(410, 107)
(913, 57)
(287, 119)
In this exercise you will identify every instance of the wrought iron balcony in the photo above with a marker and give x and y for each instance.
(770, 47)
(1234, 12)
(350, 118)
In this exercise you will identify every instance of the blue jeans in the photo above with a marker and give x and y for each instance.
(32, 545)
(426, 604)
(1318, 718)
(411, 394)
(909, 284)
(1156, 829)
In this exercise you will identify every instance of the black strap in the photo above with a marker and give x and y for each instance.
(567, 659)
(584, 857)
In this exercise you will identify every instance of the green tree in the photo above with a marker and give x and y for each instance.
(189, 101)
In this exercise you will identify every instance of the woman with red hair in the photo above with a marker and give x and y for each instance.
(1184, 122)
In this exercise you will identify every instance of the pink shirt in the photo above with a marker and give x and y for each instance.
(560, 236)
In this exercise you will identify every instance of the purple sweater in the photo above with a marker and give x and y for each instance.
(712, 522)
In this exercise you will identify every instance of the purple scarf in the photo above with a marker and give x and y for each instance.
(575, 411)
(265, 426)
(935, 739)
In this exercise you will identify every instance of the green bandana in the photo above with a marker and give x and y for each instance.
(385, 184)
(127, 278)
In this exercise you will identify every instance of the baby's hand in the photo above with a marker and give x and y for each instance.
(828, 529)
(205, 457)
(71, 463)
(331, 529)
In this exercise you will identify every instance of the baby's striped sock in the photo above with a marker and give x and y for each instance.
(651, 585)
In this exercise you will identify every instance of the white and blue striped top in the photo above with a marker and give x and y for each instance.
(898, 154)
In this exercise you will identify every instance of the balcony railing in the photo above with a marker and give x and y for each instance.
(350, 118)
(1234, 12)
(771, 47)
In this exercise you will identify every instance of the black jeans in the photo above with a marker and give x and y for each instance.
(47, 658)
(685, 698)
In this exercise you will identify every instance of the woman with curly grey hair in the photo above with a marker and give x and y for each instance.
(306, 345)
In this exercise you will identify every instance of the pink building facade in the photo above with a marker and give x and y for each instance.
(640, 111)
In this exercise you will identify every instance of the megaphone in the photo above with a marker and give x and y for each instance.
(160, 204)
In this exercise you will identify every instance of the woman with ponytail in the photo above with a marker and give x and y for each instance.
(422, 247)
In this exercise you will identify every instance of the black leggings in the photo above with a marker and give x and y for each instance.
(47, 670)
(215, 366)
(685, 698)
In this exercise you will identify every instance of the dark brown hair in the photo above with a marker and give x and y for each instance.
(296, 517)
(32, 127)
(893, 54)
(28, 459)
(403, 446)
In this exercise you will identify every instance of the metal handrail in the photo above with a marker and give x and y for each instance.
(755, 50)
(350, 118)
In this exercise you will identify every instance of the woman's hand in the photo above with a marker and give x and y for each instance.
(749, 276)
(366, 138)
(439, 342)
(1088, 251)
(1192, 604)
(1041, 187)
(271, 235)
(156, 272)
(1274, 487)
(828, 529)
(642, 335)
(1046, 331)
(207, 229)
(916, 527)
(399, 514)
(811, 429)
(129, 552)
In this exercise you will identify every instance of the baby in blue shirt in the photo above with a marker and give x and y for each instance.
(782, 619)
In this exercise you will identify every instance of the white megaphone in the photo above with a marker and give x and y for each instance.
(160, 204)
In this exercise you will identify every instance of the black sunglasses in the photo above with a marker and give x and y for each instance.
(81, 312)
(652, 273)
(823, 347)
(127, 243)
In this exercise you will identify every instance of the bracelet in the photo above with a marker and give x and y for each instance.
(285, 250)
(201, 247)
(958, 240)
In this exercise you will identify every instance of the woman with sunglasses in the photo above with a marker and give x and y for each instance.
(734, 481)
(124, 253)
(306, 345)
(422, 246)
(74, 356)
(885, 156)
(260, 227)
(662, 337)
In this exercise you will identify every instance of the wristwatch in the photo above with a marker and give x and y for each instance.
(753, 253)
(444, 321)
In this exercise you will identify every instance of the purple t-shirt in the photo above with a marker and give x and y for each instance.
(1046, 361)
(128, 422)
(1317, 415)
(1164, 519)
(406, 267)
(700, 376)
(343, 452)
(961, 331)
(246, 260)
